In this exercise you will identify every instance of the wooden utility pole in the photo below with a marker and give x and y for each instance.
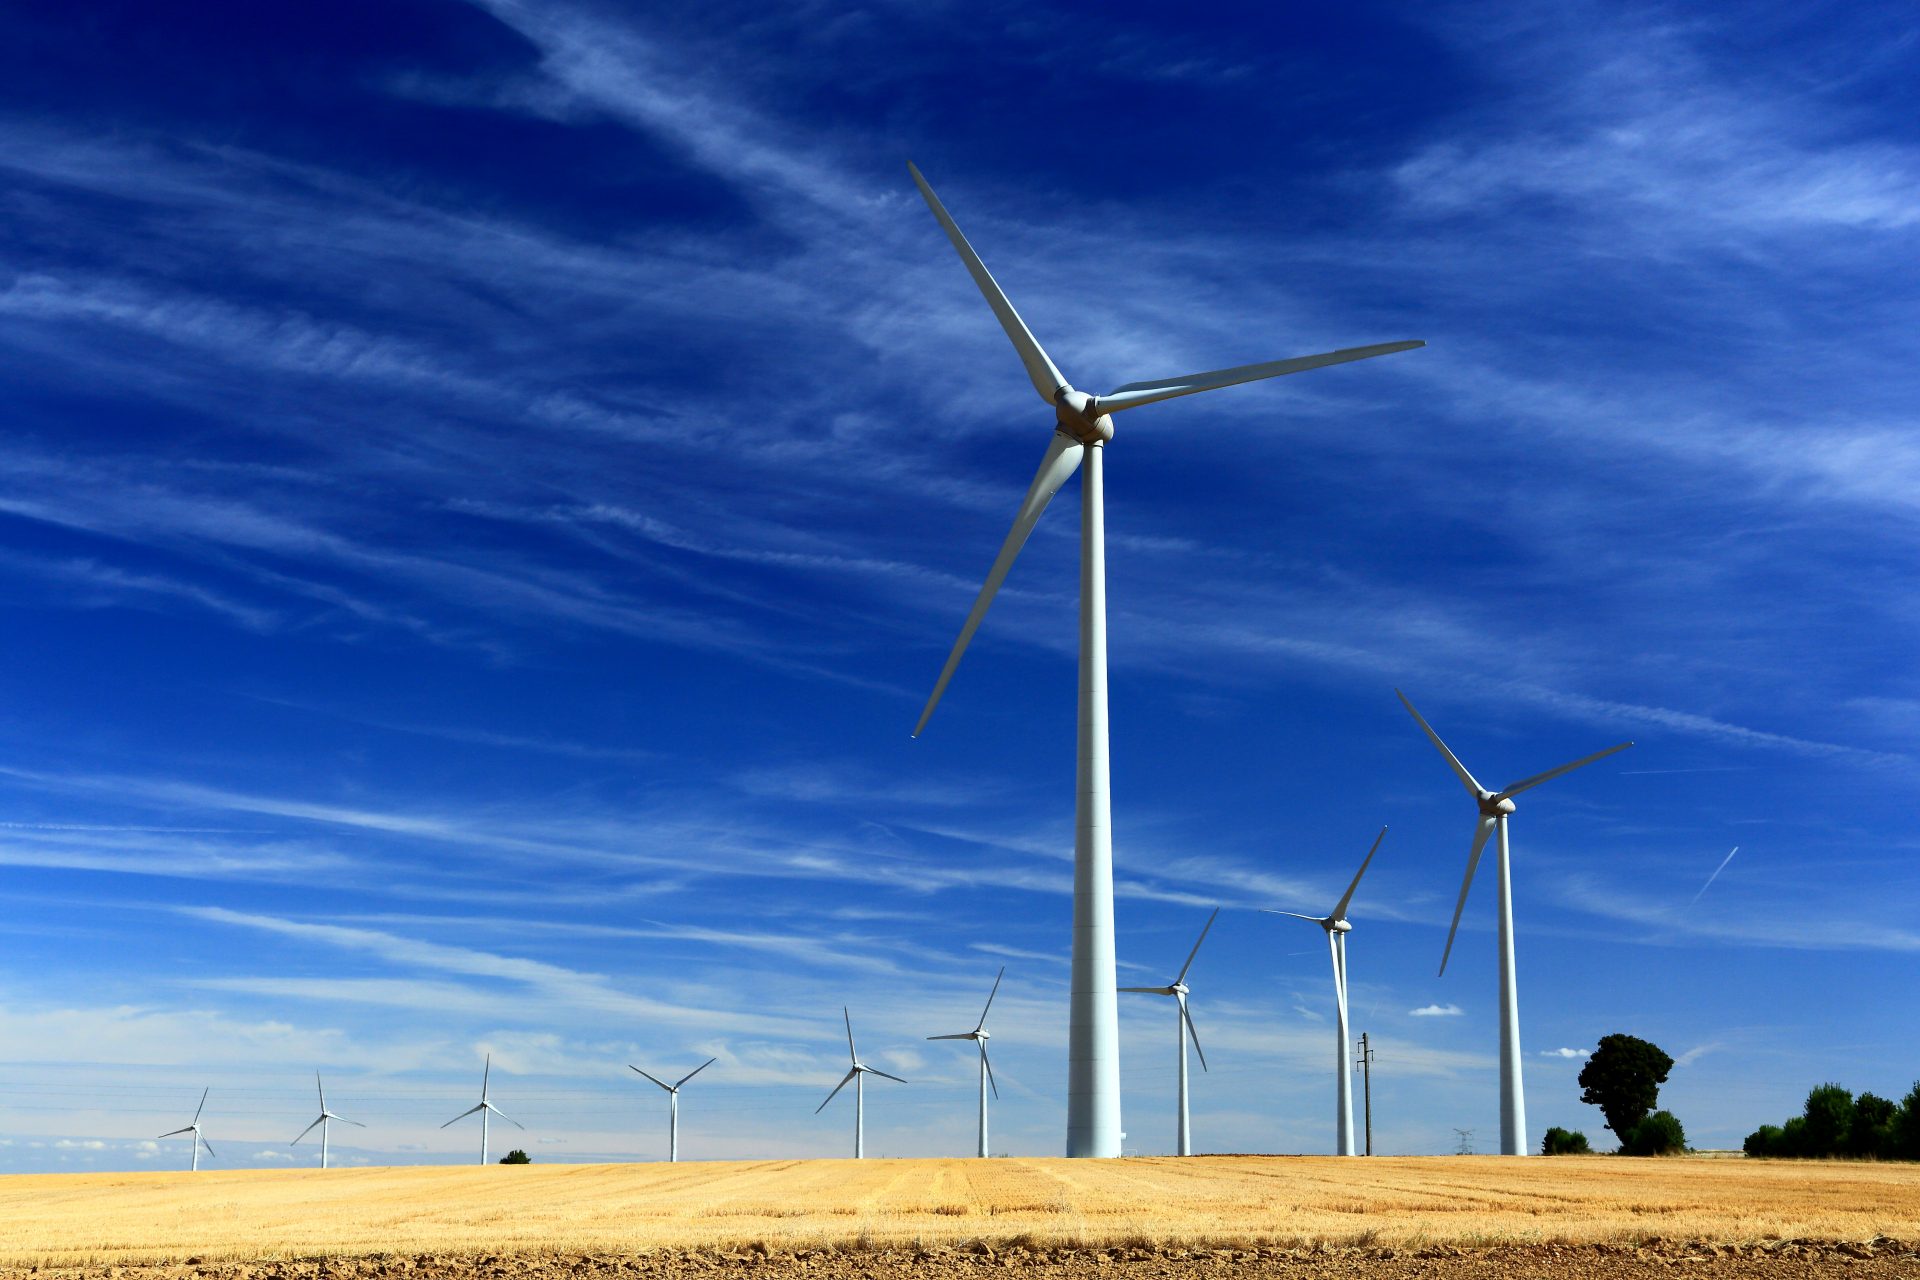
(1365, 1068)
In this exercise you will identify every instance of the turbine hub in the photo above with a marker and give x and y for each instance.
(1493, 808)
(982, 1034)
(1341, 926)
(1179, 988)
(1079, 416)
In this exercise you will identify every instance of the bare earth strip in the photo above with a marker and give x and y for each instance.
(1383, 1216)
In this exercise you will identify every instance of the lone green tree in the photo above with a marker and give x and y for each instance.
(516, 1156)
(1623, 1079)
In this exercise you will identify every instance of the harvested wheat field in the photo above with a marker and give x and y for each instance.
(1596, 1216)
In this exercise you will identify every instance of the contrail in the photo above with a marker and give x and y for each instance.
(1716, 874)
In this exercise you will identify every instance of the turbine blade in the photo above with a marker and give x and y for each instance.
(1527, 784)
(203, 1103)
(990, 995)
(504, 1116)
(1152, 991)
(485, 1072)
(663, 1084)
(1340, 912)
(1480, 834)
(696, 1071)
(1061, 458)
(836, 1089)
(964, 1035)
(457, 1119)
(852, 1053)
(1274, 911)
(209, 1147)
(1194, 1032)
(355, 1123)
(177, 1132)
(322, 1089)
(1046, 379)
(1135, 394)
(1467, 780)
(1196, 947)
(987, 1062)
(878, 1072)
(309, 1129)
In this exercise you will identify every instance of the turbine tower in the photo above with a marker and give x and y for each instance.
(1083, 426)
(857, 1073)
(199, 1140)
(673, 1094)
(979, 1035)
(1495, 807)
(1183, 1023)
(486, 1109)
(325, 1116)
(1337, 927)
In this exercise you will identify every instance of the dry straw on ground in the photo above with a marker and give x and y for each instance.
(100, 1218)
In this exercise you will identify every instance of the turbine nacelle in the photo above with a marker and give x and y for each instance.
(1337, 926)
(1079, 416)
(1494, 806)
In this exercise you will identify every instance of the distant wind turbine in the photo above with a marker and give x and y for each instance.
(1716, 874)
(857, 1073)
(1183, 1022)
(979, 1035)
(199, 1140)
(325, 1116)
(1495, 808)
(1337, 927)
(673, 1095)
(1083, 426)
(486, 1109)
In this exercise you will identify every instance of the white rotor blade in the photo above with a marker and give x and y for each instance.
(1062, 457)
(485, 1072)
(1480, 834)
(696, 1071)
(1196, 946)
(1467, 780)
(1152, 991)
(1194, 1032)
(987, 1062)
(1135, 394)
(1340, 912)
(836, 1089)
(177, 1132)
(983, 1012)
(1046, 379)
(663, 1084)
(464, 1114)
(209, 1146)
(1273, 911)
(310, 1128)
(878, 1072)
(1527, 784)
(964, 1035)
(203, 1103)
(852, 1053)
(504, 1116)
(322, 1091)
(355, 1123)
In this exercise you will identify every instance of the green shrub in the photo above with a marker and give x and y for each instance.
(1561, 1142)
(1906, 1126)
(1658, 1135)
(1764, 1141)
(1829, 1116)
(516, 1156)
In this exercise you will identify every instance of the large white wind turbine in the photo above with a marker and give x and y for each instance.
(486, 1109)
(673, 1094)
(1083, 426)
(1495, 807)
(199, 1140)
(1337, 927)
(979, 1035)
(325, 1116)
(1183, 1022)
(857, 1073)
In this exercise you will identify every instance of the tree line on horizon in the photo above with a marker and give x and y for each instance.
(1834, 1123)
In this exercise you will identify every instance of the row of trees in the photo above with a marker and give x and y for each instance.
(1835, 1123)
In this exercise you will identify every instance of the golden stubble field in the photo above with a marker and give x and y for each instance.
(67, 1220)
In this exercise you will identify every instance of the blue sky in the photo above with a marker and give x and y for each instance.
(487, 487)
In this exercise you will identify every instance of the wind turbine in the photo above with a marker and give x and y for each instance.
(1495, 807)
(857, 1073)
(199, 1139)
(486, 1109)
(1337, 927)
(980, 1035)
(325, 1115)
(1083, 426)
(673, 1093)
(1184, 1023)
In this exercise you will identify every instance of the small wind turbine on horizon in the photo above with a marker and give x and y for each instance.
(486, 1109)
(857, 1073)
(1495, 808)
(1183, 1021)
(1338, 926)
(325, 1116)
(199, 1140)
(1083, 426)
(979, 1035)
(673, 1094)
